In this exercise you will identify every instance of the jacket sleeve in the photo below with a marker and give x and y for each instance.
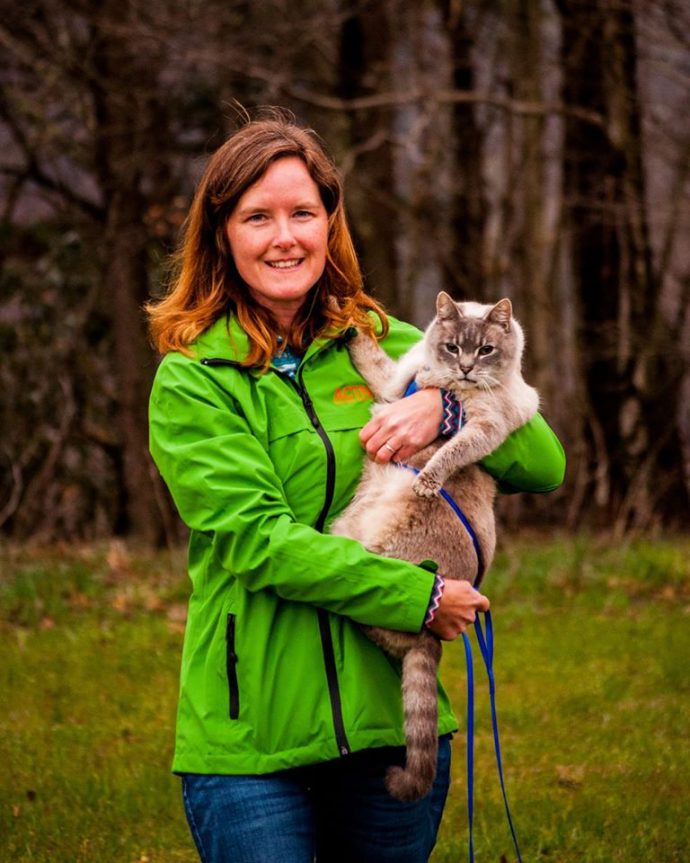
(225, 487)
(530, 459)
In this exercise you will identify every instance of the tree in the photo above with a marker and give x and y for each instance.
(364, 65)
(631, 365)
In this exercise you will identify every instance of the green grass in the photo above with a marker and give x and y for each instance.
(592, 657)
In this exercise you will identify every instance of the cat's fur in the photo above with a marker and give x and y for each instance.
(398, 514)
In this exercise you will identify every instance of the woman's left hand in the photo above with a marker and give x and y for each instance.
(402, 428)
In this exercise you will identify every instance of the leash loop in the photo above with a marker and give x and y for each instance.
(470, 745)
(486, 646)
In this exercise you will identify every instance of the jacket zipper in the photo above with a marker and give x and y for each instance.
(330, 454)
(324, 623)
(231, 664)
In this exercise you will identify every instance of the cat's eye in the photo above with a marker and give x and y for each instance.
(485, 350)
(452, 348)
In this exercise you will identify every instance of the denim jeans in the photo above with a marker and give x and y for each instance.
(333, 812)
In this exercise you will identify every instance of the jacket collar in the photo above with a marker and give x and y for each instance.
(226, 340)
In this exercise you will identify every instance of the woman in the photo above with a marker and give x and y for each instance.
(288, 715)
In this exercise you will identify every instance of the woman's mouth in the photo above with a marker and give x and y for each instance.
(288, 264)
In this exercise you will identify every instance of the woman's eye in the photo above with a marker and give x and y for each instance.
(303, 214)
(485, 350)
(452, 348)
(256, 218)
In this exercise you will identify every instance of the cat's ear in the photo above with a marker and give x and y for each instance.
(501, 314)
(446, 308)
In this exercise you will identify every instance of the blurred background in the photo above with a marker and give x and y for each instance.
(536, 149)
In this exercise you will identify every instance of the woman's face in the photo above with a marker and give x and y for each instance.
(278, 235)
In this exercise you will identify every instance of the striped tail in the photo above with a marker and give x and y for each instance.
(420, 702)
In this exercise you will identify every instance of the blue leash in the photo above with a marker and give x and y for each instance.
(486, 647)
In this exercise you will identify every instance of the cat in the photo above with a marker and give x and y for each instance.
(475, 352)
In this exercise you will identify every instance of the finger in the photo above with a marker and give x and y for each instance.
(404, 453)
(369, 430)
(382, 441)
(373, 436)
(386, 452)
(448, 633)
(374, 444)
(482, 601)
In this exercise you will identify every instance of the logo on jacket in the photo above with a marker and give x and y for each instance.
(352, 393)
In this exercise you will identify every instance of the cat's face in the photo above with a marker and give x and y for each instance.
(478, 345)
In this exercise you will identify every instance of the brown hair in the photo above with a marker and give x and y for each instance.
(206, 283)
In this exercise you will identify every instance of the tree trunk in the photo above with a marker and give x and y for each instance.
(123, 146)
(364, 66)
(465, 263)
(531, 252)
(631, 379)
(422, 62)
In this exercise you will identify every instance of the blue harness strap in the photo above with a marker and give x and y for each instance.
(486, 647)
(463, 518)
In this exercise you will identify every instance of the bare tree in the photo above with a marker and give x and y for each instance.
(365, 48)
(631, 367)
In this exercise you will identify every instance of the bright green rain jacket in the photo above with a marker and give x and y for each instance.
(275, 671)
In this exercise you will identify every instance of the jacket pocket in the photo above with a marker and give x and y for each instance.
(231, 667)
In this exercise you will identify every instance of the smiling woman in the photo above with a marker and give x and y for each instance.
(278, 236)
(289, 716)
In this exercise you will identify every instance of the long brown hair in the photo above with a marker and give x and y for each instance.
(206, 283)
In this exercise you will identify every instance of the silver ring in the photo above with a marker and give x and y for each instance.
(389, 448)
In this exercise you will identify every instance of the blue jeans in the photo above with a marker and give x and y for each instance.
(333, 812)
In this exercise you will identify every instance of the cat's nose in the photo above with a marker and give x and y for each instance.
(466, 369)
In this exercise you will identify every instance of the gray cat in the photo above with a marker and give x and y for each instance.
(474, 351)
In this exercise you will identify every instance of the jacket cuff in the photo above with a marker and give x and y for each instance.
(435, 599)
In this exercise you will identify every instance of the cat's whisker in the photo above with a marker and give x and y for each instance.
(489, 385)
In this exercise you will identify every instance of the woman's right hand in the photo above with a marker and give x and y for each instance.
(457, 609)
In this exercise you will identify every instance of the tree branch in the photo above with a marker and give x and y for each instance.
(34, 173)
(32, 169)
(443, 97)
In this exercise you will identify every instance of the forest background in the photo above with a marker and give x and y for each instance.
(537, 149)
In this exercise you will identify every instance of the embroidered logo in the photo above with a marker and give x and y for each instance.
(352, 393)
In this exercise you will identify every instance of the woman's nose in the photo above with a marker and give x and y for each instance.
(284, 237)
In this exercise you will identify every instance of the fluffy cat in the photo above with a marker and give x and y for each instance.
(474, 351)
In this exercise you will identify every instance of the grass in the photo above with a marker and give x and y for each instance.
(592, 649)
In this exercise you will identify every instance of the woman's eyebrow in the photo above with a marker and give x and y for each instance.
(305, 204)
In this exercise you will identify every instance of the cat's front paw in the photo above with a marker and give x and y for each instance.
(425, 485)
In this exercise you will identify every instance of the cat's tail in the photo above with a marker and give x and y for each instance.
(420, 702)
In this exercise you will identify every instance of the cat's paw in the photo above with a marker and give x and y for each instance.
(425, 485)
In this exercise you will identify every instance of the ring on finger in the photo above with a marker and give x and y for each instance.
(389, 448)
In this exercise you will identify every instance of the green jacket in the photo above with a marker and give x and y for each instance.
(275, 671)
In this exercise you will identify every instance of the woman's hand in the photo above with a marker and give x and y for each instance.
(402, 428)
(458, 608)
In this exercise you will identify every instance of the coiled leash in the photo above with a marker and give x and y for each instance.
(486, 647)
